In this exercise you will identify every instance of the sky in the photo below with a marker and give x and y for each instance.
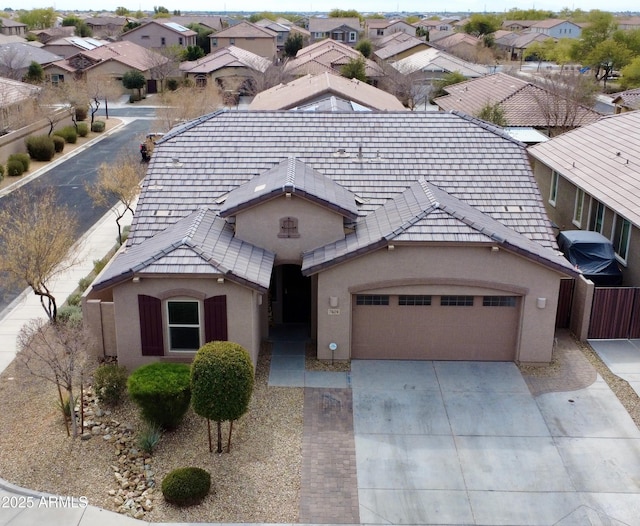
(365, 6)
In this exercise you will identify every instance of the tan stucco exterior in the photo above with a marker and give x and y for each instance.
(263, 47)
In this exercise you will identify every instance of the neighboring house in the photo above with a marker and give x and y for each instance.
(377, 27)
(522, 103)
(245, 35)
(343, 30)
(390, 235)
(157, 34)
(12, 27)
(216, 23)
(329, 55)
(16, 57)
(17, 99)
(514, 44)
(436, 25)
(280, 30)
(628, 100)
(460, 44)
(109, 62)
(45, 35)
(397, 50)
(435, 64)
(557, 28)
(518, 25)
(309, 89)
(68, 46)
(628, 23)
(590, 180)
(231, 68)
(7, 39)
(106, 26)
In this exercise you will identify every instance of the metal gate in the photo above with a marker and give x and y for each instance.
(615, 313)
(565, 301)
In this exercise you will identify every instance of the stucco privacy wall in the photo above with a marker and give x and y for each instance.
(437, 267)
(242, 314)
(13, 142)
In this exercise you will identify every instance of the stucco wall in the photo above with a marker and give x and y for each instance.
(242, 314)
(14, 142)
(317, 226)
(263, 47)
(441, 270)
(581, 307)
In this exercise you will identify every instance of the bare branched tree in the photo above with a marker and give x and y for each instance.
(164, 63)
(57, 353)
(187, 103)
(274, 75)
(101, 89)
(13, 62)
(409, 88)
(36, 234)
(119, 180)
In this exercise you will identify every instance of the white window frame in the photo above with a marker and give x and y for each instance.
(578, 208)
(621, 255)
(353, 36)
(553, 189)
(600, 213)
(169, 326)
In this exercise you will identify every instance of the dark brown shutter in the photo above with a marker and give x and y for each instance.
(215, 319)
(151, 325)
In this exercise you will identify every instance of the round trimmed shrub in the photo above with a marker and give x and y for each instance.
(40, 147)
(98, 126)
(83, 129)
(81, 113)
(68, 133)
(23, 158)
(14, 168)
(186, 486)
(162, 391)
(109, 383)
(58, 143)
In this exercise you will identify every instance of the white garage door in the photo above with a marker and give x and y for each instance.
(420, 327)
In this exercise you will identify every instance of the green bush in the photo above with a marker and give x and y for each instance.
(83, 283)
(99, 264)
(172, 84)
(81, 113)
(74, 299)
(23, 158)
(14, 168)
(72, 313)
(186, 486)
(40, 147)
(68, 133)
(58, 143)
(98, 126)
(83, 129)
(162, 391)
(1, 172)
(149, 438)
(109, 383)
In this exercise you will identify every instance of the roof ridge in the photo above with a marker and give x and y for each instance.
(497, 130)
(190, 124)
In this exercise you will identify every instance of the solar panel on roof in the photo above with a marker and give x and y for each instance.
(177, 27)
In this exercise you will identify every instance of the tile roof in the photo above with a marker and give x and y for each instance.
(308, 88)
(325, 25)
(551, 22)
(629, 98)
(523, 103)
(432, 59)
(228, 57)
(14, 92)
(395, 47)
(455, 39)
(291, 177)
(200, 243)
(8, 22)
(425, 212)
(399, 36)
(128, 53)
(171, 26)
(328, 55)
(246, 29)
(603, 159)
(21, 54)
(374, 155)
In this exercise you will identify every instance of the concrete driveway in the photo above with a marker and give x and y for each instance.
(466, 443)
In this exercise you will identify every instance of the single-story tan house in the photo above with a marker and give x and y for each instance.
(388, 235)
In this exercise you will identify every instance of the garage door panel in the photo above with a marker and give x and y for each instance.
(435, 332)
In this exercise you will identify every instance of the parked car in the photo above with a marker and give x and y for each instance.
(593, 254)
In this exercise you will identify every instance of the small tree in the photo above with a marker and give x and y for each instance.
(493, 113)
(57, 353)
(365, 47)
(37, 234)
(293, 44)
(192, 53)
(355, 69)
(221, 385)
(134, 79)
(455, 77)
(119, 181)
(35, 73)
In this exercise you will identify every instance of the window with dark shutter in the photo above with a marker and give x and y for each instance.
(215, 319)
(150, 310)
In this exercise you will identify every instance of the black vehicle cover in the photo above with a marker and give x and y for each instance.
(591, 253)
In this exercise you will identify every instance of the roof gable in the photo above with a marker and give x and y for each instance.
(291, 177)
(246, 29)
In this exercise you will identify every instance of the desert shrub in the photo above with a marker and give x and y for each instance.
(98, 126)
(23, 158)
(68, 133)
(99, 264)
(83, 283)
(40, 147)
(58, 143)
(162, 391)
(172, 84)
(83, 129)
(149, 438)
(72, 313)
(109, 383)
(1, 172)
(14, 168)
(81, 113)
(186, 486)
(74, 299)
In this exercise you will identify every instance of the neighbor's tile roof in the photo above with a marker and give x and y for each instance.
(551, 22)
(128, 53)
(456, 39)
(603, 159)
(8, 22)
(398, 36)
(421, 212)
(246, 30)
(394, 47)
(228, 57)
(21, 54)
(523, 103)
(293, 177)
(374, 155)
(325, 25)
(432, 59)
(629, 98)
(328, 55)
(14, 92)
(308, 88)
(201, 243)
